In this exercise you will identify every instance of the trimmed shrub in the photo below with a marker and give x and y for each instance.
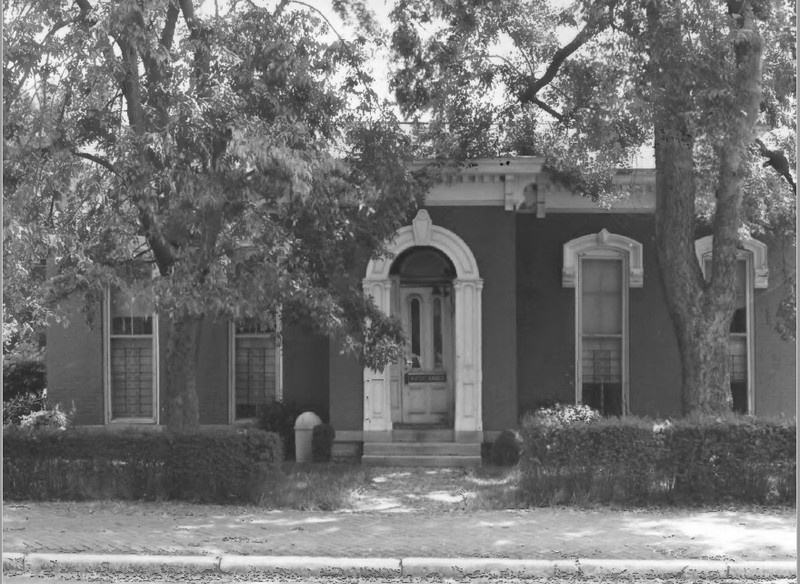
(23, 375)
(278, 416)
(20, 406)
(639, 461)
(506, 448)
(219, 465)
(322, 437)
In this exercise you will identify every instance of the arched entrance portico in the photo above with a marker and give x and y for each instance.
(378, 391)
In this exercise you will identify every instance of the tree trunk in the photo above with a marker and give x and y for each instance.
(182, 405)
(701, 312)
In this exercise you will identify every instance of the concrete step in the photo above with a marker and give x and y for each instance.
(422, 435)
(421, 449)
(428, 461)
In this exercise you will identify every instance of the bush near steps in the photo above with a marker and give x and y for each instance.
(735, 459)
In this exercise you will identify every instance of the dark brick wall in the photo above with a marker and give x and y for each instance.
(775, 359)
(75, 366)
(305, 370)
(546, 315)
(520, 261)
(212, 372)
(490, 234)
(346, 387)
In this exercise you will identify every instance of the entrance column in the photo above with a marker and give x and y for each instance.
(468, 369)
(377, 398)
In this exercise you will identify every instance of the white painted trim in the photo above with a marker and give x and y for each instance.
(467, 287)
(754, 254)
(758, 265)
(277, 334)
(601, 245)
(504, 182)
(107, 368)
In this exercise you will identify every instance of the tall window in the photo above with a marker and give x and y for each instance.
(255, 367)
(751, 273)
(131, 358)
(601, 334)
(602, 267)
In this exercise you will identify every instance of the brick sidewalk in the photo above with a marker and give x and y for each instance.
(176, 528)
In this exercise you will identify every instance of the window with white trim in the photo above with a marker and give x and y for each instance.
(600, 336)
(255, 367)
(751, 273)
(131, 354)
(602, 267)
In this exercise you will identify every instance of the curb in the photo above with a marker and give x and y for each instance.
(398, 567)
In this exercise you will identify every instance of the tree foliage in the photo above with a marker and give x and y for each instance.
(710, 84)
(229, 164)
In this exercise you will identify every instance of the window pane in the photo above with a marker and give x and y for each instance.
(251, 326)
(737, 349)
(739, 322)
(131, 314)
(601, 296)
(415, 332)
(255, 373)
(437, 333)
(131, 378)
(601, 371)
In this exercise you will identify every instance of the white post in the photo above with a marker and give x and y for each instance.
(469, 370)
(377, 400)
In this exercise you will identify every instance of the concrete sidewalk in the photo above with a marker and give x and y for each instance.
(535, 542)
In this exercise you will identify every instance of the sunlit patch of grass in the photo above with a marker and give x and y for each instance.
(493, 487)
(314, 486)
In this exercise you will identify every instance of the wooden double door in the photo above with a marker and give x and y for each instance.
(426, 374)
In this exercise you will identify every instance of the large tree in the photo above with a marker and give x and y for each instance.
(224, 160)
(709, 83)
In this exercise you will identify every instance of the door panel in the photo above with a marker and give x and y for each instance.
(427, 380)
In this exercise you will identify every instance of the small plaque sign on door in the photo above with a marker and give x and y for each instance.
(426, 377)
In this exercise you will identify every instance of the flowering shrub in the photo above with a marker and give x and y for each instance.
(53, 419)
(20, 406)
(562, 415)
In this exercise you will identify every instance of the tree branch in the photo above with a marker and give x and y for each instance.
(560, 117)
(535, 85)
(777, 160)
(96, 159)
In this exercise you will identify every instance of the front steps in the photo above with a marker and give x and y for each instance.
(422, 447)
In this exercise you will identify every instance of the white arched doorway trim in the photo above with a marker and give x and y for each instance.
(378, 393)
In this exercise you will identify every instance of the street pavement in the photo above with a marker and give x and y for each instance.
(533, 541)
(402, 525)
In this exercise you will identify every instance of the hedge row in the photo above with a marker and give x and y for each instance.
(219, 466)
(637, 461)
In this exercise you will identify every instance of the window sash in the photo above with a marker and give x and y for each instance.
(601, 317)
(255, 374)
(131, 360)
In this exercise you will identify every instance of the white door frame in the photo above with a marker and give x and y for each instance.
(467, 286)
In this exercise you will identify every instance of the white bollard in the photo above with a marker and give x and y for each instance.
(303, 429)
